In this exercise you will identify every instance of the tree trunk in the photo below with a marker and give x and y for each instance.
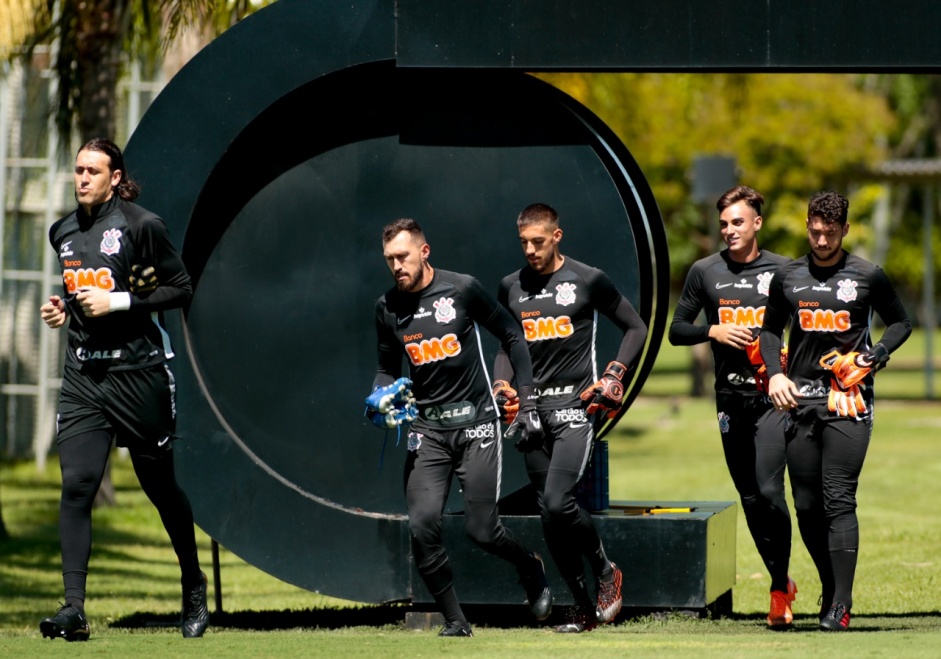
(100, 35)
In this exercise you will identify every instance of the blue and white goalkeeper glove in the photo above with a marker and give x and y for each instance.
(392, 405)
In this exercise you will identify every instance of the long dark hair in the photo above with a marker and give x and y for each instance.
(126, 188)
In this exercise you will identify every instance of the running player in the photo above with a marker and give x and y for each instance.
(556, 299)
(732, 287)
(827, 392)
(431, 317)
(116, 383)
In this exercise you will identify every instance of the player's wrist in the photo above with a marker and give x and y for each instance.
(527, 398)
(120, 301)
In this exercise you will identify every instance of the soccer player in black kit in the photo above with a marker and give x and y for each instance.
(556, 300)
(116, 383)
(829, 296)
(732, 287)
(431, 318)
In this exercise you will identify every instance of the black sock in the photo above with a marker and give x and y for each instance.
(450, 607)
(76, 603)
(844, 572)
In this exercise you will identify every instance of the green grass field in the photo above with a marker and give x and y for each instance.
(664, 448)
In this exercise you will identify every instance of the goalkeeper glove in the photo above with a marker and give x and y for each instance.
(853, 367)
(143, 280)
(846, 401)
(392, 405)
(849, 370)
(605, 395)
(508, 401)
(527, 426)
(760, 371)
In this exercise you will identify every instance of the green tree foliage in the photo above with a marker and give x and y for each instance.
(791, 135)
(94, 40)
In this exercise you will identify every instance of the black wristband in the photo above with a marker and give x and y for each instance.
(528, 397)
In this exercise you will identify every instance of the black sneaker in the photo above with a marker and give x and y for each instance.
(579, 620)
(456, 629)
(609, 596)
(195, 616)
(68, 623)
(534, 581)
(837, 618)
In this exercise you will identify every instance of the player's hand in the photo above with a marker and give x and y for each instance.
(142, 280)
(605, 395)
(392, 405)
(95, 302)
(527, 430)
(783, 392)
(846, 401)
(731, 335)
(53, 312)
(508, 401)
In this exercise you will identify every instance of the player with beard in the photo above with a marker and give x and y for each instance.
(431, 318)
(731, 286)
(556, 300)
(827, 394)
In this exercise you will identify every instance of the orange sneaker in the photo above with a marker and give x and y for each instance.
(780, 616)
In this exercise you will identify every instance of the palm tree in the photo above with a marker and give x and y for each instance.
(93, 41)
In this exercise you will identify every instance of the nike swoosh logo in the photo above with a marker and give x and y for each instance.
(723, 285)
(525, 299)
(798, 290)
(486, 444)
(402, 321)
(576, 426)
(163, 441)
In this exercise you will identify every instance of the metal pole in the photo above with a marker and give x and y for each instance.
(6, 100)
(216, 576)
(928, 289)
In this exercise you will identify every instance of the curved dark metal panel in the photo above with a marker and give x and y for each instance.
(281, 205)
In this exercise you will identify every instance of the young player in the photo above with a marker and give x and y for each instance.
(732, 287)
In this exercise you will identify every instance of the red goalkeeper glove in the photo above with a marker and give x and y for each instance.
(606, 395)
(508, 401)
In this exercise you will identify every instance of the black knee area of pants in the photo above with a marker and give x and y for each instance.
(424, 526)
(483, 532)
(79, 487)
(561, 507)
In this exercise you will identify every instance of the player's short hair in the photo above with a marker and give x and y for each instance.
(126, 188)
(741, 193)
(831, 207)
(538, 214)
(395, 227)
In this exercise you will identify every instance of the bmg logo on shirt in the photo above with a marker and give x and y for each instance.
(744, 316)
(824, 320)
(540, 329)
(433, 350)
(88, 278)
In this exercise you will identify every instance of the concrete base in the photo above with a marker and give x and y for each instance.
(674, 555)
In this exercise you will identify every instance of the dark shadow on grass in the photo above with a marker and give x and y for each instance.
(497, 616)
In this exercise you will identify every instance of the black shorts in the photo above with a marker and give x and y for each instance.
(137, 406)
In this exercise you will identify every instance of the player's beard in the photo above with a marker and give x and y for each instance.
(823, 256)
(412, 283)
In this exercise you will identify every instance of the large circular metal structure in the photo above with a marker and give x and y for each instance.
(275, 169)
